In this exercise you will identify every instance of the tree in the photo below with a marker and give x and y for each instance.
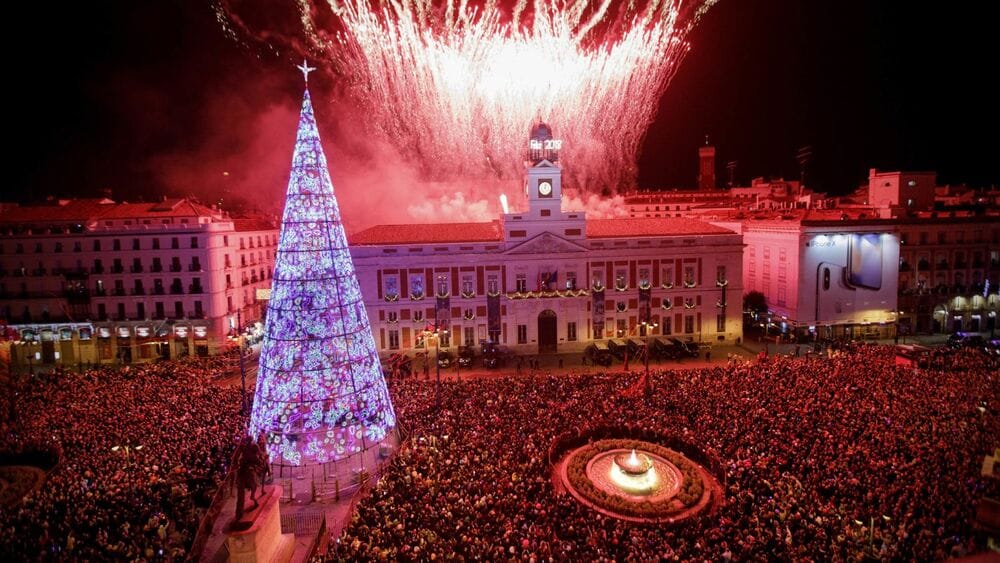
(754, 304)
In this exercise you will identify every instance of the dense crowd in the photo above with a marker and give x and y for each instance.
(140, 450)
(825, 459)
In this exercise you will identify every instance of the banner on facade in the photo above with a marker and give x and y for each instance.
(598, 310)
(493, 317)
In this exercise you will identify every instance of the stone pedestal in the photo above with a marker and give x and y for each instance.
(263, 541)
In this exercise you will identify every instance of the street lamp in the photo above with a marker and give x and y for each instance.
(436, 333)
(647, 327)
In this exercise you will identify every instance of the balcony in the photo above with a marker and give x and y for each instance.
(38, 272)
(117, 270)
(196, 289)
(194, 267)
(156, 268)
(158, 291)
(923, 265)
(961, 265)
(942, 265)
(139, 291)
(119, 291)
(176, 289)
(100, 292)
(136, 269)
(19, 273)
(97, 270)
(196, 315)
(904, 267)
(176, 268)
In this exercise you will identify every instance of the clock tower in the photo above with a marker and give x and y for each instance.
(543, 188)
(544, 173)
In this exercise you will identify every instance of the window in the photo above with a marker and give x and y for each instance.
(522, 334)
(135, 244)
(665, 325)
(117, 267)
(136, 265)
(159, 310)
(175, 242)
(391, 288)
(667, 277)
(571, 332)
(571, 281)
(121, 312)
(194, 242)
(621, 280)
(394, 340)
(102, 312)
(175, 264)
(521, 283)
(443, 289)
(942, 237)
(97, 245)
(198, 311)
(137, 288)
(179, 309)
(720, 274)
(140, 310)
(493, 284)
(689, 279)
(156, 244)
(195, 264)
(470, 336)
(688, 324)
(720, 323)
(644, 282)
(468, 286)
(229, 262)
(59, 247)
(116, 244)
(416, 286)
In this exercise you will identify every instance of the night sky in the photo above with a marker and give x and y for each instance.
(151, 98)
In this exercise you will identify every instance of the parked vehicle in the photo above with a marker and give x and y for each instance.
(496, 356)
(618, 348)
(466, 356)
(663, 348)
(688, 348)
(445, 359)
(598, 354)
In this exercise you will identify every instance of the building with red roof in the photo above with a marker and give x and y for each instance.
(97, 281)
(545, 280)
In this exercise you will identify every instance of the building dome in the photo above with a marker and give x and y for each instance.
(541, 132)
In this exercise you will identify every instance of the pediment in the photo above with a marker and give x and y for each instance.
(546, 243)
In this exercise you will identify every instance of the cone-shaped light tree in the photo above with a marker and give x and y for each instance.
(321, 395)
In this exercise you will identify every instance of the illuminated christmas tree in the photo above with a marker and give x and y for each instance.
(321, 395)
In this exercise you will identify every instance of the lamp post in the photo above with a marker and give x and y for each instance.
(436, 333)
(647, 327)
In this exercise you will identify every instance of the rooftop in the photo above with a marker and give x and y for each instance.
(492, 232)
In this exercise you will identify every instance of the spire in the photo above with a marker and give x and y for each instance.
(320, 395)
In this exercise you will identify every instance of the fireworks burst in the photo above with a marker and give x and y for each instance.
(457, 85)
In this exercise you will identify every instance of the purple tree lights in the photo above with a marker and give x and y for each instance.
(321, 396)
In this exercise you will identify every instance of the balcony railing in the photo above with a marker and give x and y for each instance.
(156, 268)
(117, 269)
(176, 290)
(139, 291)
(136, 269)
(194, 267)
(195, 289)
(158, 291)
(119, 291)
(97, 270)
(175, 268)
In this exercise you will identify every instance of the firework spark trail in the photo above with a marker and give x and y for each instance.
(457, 86)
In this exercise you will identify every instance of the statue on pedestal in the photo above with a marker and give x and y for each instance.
(248, 464)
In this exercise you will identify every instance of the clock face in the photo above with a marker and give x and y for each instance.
(545, 188)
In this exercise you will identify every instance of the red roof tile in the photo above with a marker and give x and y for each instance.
(651, 227)
(79, 210)
(428, 233)
(253, 224)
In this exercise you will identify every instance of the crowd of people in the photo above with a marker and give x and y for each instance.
(830, 458)
(140, 450)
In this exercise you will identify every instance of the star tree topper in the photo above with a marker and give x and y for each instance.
(306, 69)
